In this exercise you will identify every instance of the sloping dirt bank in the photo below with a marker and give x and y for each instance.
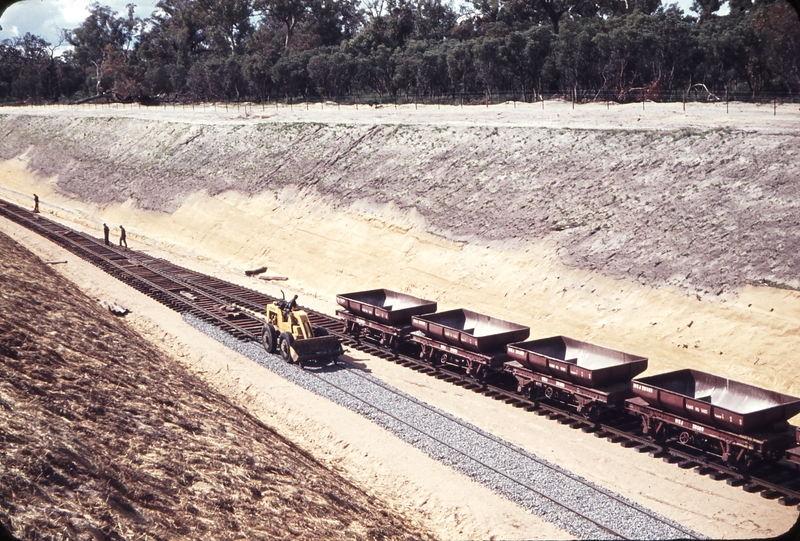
(104, 437)
(439, 500)
(705, 209)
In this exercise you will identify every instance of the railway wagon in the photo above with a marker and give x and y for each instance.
(461, 337)
(560, 368)
(739, 422)
(382, 315)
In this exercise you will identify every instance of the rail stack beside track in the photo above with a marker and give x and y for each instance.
(213, 300)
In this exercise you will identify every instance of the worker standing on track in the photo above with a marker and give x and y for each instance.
(35, 203)
(105, 233)
(122, 237)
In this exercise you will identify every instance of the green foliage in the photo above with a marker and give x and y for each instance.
(414, 49)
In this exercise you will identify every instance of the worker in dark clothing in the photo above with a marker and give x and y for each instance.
(122, 237)
(105, 233)
(35, 203)
(288, 307)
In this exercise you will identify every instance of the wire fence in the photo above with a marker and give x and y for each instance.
(461, 99)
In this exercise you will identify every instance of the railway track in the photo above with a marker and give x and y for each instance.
(205, 297)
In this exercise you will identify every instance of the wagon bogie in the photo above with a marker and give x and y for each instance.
(589, 402)
(475, 365)
(738, 451)
(387, 336)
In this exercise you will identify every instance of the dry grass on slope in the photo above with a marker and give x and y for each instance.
(102, 437)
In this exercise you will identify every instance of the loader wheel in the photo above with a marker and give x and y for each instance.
(269, 337)
(285, 344)
(320, 331)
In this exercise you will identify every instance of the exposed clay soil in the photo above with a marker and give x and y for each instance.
(706, 208)
(104, 437)
(250, 195)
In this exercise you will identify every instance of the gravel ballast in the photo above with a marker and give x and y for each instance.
(558, 496)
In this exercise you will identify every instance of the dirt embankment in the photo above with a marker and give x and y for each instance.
(703, 209)
(103, 437)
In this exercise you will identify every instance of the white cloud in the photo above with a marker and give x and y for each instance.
(45, 18)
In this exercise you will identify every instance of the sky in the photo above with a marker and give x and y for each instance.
(45, 18)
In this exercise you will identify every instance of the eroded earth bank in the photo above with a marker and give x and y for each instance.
(673, 239)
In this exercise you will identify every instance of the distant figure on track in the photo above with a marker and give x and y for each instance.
(35, 203)
(122, 237)
(105, 233)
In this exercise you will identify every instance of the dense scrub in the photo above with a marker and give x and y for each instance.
(399, 50)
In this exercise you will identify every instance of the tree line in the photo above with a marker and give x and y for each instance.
(264, 50)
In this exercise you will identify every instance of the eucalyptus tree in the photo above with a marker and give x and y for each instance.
(101, 44)
(288, 12)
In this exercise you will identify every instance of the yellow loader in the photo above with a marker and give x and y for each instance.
(289, 332)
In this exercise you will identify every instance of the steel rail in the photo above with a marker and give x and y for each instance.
(211, 292)
(506, 445)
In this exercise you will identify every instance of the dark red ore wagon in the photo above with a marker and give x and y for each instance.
(737, 421)
(720, 402)
(470, 330)
(385, 305)
(579, 362)
(382, 315)
(465, 338)
(561, 368)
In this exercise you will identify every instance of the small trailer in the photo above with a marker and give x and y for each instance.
(575, 372)
(464, 338)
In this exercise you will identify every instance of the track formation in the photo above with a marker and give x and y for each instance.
(211, 300)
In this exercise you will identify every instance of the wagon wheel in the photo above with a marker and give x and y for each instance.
(472, 369)
(269, 338)
(536, 393)
(320, 331)
(479, 372)
(387, 340)
(353, 329)
(742, 463)
(661, 433)
(285, 345)
(591, 412)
